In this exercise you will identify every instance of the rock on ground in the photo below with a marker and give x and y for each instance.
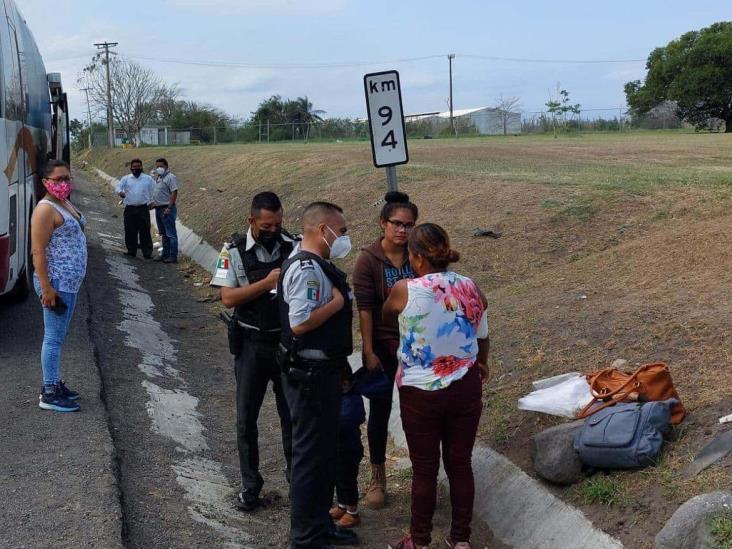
(688, 527)
(553, 454)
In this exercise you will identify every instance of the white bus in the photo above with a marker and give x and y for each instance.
(33, 128)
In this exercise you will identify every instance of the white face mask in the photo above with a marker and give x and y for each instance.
(160, 170)
(341, 246)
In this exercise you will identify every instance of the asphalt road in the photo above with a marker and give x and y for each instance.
(150, 460)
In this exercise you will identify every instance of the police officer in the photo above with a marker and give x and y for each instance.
(247, 271)
(316, 315)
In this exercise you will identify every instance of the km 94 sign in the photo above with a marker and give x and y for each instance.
(386, 118)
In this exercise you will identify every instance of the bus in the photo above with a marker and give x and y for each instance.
(34, 127)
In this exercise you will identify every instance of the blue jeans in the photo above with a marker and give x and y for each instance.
(55, 328)
(166, 228)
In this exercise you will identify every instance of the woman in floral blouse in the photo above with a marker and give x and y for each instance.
(443, 329)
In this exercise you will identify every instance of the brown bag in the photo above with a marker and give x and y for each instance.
(649, 382)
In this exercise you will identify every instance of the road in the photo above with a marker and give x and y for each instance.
(150, 460)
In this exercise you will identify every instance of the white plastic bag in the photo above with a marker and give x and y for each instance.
(565, 398)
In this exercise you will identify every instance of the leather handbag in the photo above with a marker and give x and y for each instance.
(648, 383)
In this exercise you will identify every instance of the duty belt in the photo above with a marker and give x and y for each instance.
(257, 329)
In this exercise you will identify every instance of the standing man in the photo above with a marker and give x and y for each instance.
(316, 315)
(247, 271)
(137, 191)
(165, 198)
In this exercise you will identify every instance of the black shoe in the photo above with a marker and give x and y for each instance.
(130, 254)
(147, 256)
(247, 501)
(159, 258)
(170, 260)
(52, 400)
(66, 392)
(341, 536)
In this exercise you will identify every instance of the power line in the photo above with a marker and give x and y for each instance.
(557, 61)
(285, 66)
(226, 64)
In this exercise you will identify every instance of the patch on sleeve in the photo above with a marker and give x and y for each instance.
(223, 263)
(306, 265)
(222, 273)
(314, 293)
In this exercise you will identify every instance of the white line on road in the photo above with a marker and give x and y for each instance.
(173, 412)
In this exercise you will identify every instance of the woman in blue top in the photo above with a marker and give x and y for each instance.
(59, 259)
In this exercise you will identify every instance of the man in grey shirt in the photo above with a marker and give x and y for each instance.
(165, 198)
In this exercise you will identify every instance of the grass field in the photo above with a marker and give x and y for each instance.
(613, 246)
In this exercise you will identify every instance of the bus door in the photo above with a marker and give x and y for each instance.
(14, 161)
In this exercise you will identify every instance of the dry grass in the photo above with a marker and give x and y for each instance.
(638, 224)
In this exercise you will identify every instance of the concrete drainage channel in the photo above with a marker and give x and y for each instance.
(517, 508)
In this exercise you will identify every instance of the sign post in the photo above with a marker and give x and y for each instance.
(386, 123)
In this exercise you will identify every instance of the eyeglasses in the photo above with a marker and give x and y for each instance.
(62, 179)
(401, 225)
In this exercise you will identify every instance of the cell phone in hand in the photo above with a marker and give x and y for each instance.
(60, 307)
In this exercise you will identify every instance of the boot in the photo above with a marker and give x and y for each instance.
(376, 493)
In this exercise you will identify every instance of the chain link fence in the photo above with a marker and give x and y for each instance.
(464, 123)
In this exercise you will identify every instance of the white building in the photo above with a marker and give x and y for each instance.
(153, 135)
(481, 120)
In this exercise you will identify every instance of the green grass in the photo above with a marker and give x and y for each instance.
(600, 490)
(721, 529)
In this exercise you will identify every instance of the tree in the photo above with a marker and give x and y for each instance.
(695, 71)
(136, 92)
(298, 112)
(559, 107)
(505, 107)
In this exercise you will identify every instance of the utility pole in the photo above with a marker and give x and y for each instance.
(110, 124)
(88, 112)
(450, 57)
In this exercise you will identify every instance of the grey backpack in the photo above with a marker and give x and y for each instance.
(624, 436)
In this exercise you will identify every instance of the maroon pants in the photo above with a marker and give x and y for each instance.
(447, 417)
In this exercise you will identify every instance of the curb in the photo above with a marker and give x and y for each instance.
(517, 508)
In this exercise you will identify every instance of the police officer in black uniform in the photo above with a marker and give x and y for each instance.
(316, 316)
(247, 271)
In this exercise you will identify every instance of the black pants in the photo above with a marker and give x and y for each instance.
(137, 229)
(315, 416)
(380, 409)
(255, 367)
(350, 454)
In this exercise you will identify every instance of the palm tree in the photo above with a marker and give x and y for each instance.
(301, 112)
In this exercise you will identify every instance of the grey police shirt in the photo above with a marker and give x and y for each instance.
(165, 185)
(229, 271)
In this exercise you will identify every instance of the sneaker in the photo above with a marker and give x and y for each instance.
(336, 512)
(65, 391)
(405, 543)
(457, 545)
(349, 520)
(247, 501)
(54, 400)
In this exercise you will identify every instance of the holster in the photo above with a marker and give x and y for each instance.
(234, 332)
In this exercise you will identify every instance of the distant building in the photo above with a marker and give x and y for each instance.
(154, 136)
(481, 120)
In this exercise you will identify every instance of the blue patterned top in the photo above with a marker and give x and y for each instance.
(66, 251)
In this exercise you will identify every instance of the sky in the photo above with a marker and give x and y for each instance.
(294, 47)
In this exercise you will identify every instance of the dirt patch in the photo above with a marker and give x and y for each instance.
(613, 246)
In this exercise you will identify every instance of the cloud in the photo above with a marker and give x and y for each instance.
(264, 7)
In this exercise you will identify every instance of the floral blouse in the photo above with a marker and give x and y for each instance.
(439, 330)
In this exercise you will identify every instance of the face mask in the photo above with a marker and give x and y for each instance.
(136, 172)
(341, 246)
(59, 189)
(160, 170)
(269, 239)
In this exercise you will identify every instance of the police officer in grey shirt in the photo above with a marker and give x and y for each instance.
(316, 315)
(165, 198)
(247, 271)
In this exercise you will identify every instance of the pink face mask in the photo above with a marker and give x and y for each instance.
(59, 189)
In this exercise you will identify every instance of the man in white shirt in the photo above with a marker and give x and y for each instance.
(137, 191)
